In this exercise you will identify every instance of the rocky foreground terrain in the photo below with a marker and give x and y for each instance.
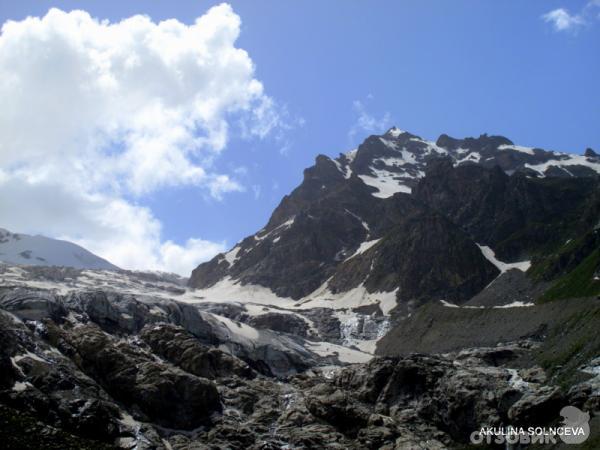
(98, 369)
(404, 296)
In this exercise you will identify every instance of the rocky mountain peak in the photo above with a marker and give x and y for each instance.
(332, 233)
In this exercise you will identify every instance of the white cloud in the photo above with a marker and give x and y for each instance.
(182, 259)
(161, 92)
(366, 122)
(124, 233)
(95, 113)
(257, 191)
(562, 20)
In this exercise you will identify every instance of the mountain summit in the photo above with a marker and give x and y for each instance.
(38, 250)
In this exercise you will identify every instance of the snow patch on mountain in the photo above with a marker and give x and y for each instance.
(453, 305)
(489, 254)
(363, 223)
(473, 157)
(239, 329)
(517, 148)
(344, 354)
(390, 144)
(288, 223)
(567, 161)
(228, 290)
(515, 304)
(232, 255)
(431, 147)
(20, 386)
(364, 247)
(351, 155)
(353, 298)
(385, 183)
(393, 162)
(395, 132)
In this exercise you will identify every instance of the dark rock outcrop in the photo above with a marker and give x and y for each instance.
(284, 323)
(426, 257)
(171, 397)
(185, 351)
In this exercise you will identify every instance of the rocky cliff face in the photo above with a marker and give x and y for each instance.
(516, 215)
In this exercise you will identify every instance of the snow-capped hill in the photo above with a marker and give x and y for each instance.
(42, 251)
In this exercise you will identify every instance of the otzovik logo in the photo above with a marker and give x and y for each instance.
(575, 429)
(576, 419)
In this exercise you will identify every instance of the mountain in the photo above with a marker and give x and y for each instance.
(403, 296)
(42, 251)
(408, 216)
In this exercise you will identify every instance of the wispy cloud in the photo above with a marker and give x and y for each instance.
(564, 21)
(257, 191)
(367, 122)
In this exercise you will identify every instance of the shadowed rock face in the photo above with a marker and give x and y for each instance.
(172, 397)
(285, 323)
(426, 257)
(515, 215)
(182, 349)
(311, 231)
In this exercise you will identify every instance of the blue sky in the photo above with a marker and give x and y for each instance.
(430, 67)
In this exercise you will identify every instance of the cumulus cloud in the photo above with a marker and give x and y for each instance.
(562, 20)
(96, 115)
(367, 122)
(180, 259)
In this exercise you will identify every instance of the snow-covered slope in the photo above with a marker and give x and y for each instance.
(42, 251)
